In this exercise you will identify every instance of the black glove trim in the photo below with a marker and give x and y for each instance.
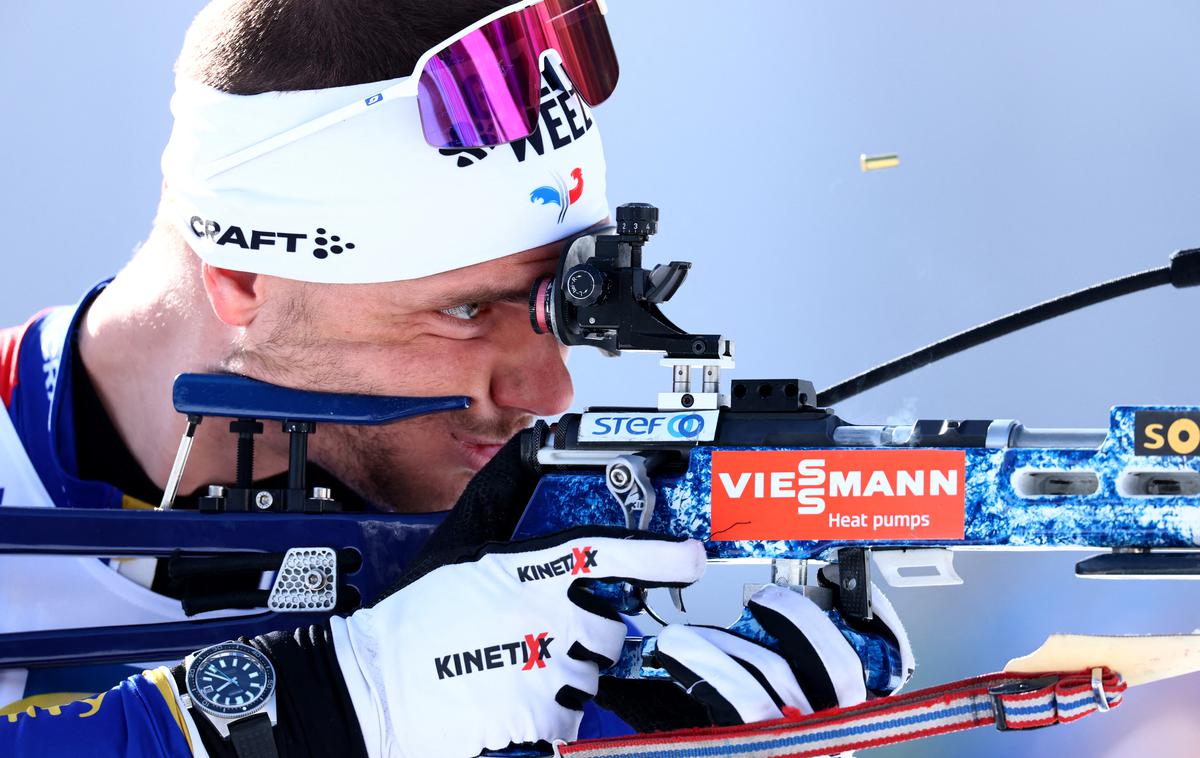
(572, 697)
(806, 663)
(651, 705)
(761, 678)
(581, 653)
(720, 710)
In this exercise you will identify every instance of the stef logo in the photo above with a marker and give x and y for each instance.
(685, 425)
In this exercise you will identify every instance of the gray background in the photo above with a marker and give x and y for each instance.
(1044, 146)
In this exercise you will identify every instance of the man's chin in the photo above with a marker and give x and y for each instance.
(423, 472)
(429, 496)
(403, 484)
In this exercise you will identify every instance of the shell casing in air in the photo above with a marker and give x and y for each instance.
(876, 162)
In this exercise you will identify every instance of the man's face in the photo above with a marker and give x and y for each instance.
(464, 332)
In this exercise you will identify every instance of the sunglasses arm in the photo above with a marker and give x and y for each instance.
(405, 88)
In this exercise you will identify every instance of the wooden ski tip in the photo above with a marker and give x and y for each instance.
(1139, 659)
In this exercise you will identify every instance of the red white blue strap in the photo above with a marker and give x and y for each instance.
(1010, 701)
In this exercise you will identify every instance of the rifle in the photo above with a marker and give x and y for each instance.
(769, 472)
(766, 472)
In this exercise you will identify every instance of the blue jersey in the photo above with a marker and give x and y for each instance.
(68, 710)
(36, 379)
(138, 717)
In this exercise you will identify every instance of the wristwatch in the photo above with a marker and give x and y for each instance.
(233, 686)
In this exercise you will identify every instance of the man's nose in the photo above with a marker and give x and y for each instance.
(531, 374)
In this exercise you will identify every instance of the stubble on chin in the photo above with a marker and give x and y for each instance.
(413, 466)
(390, 467)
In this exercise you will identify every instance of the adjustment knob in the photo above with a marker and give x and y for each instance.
(584, 285)
(637, 218)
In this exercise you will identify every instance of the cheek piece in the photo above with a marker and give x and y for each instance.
(367, 199)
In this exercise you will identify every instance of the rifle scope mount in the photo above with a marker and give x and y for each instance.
(602, 297)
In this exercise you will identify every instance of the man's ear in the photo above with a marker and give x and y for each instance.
(236, 296)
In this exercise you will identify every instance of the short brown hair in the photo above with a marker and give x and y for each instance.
(246, 47)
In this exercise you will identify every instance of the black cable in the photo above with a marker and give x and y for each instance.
(219, 601)
(180, 567)
(189, 567)
(1184, 271)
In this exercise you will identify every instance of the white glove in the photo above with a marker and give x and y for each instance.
(504, 648)
(740, 680)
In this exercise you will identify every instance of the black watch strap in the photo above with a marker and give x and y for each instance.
(253, 738)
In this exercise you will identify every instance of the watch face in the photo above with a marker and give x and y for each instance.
(230, 679)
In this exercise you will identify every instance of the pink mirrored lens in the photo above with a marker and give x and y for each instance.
(483, 89)
(578, 31)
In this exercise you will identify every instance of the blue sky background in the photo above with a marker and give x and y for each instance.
(1044, 146)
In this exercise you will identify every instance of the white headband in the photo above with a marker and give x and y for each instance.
(367, 199)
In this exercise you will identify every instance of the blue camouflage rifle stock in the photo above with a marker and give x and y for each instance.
(1131, 489)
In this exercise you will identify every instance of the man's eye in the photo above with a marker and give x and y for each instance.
(466, 311)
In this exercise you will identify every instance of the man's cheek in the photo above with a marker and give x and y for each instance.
(456, 366)
(409, 371)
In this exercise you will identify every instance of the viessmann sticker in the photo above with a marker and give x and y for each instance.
(837, 494)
